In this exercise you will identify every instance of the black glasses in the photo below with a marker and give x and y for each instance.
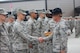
(60, 16)
(35, 13)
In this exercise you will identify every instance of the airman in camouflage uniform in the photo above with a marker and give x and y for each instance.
(32, 30)
(9, 24)
(59, 35)
(77, 26)
(60, 32)
(21, 37)
(44, 47)
(71, 23)
(19, 42)
(4, 39)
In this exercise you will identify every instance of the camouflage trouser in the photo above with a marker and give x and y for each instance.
(58, 50)
(4, 48)
(45, 47)
(48, 46)
(41, 47)
(4, 51)
(21, 51)
(76, 32)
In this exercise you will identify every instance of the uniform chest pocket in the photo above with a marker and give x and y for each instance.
(20, 28)
(34, 26)
(52, 25)
(43, 24)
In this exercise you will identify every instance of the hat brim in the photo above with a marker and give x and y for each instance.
(49, 13)
(32, 11)
(42, 12)
(5, 13)
(24, 13)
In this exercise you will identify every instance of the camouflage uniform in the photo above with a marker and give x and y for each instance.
(77, 27)
(4, 39)
(10, 31)
(46, 46)
(68, 24)
(32, 30)
(43, 25)
(71, 23)
(21, 38)
(19, 43)
(60, 32)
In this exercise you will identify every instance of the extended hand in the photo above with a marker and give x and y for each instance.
(41, 40)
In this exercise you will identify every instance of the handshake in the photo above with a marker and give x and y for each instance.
(41, 39)
(48, 35)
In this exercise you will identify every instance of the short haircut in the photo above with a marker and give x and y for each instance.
(56, 11)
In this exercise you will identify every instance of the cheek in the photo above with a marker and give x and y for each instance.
(43, 15)
(35, 14)
(3, 18)
(54, 18)
(12, 19)
(23, 17)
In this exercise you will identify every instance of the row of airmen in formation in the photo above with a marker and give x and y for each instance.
(33, 36)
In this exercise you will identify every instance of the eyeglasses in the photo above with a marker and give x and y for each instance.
(35, 13)
(60, 16)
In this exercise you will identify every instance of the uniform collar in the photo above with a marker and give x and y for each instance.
(32, 20)
(0, 23)
(19, 21)
(57, 22)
